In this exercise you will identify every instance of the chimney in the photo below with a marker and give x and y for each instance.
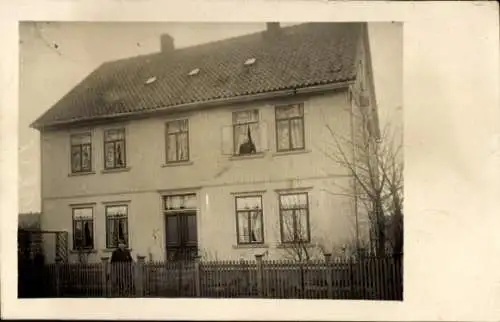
(273, 29)
(167, 43)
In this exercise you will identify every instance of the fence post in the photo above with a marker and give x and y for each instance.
(58, 276)
(197, 277)
(139, 269)
(260, 275)
(104, 277)
(329, 283)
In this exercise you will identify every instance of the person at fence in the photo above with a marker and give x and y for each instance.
(121, 254)
(121, 271)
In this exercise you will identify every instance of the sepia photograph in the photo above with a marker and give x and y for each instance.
(211, 160)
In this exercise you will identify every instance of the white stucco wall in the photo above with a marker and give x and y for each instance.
(213, 175)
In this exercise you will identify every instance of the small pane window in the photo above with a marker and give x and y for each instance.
(116, 226)
(246, 132)
(114, 149)
(294, 218)
(290, 127)
(81, 153)
(83, 228)
(177, 141)
(249, 220)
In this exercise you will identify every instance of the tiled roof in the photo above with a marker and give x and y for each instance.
(302, 56)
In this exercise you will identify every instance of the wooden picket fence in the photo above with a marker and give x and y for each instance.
(369, 278)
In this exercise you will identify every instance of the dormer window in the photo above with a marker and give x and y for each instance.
(150, 80)
(250, 61)
(194, 72)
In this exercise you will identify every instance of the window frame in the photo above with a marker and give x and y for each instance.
(289, 124)
(247, 124)
(109, 244)
(124, 152)
(260, 214)
(74, 222)
(176, 135)
(294, 209)
(81, 146)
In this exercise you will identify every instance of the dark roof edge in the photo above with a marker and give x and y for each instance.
(209, 103)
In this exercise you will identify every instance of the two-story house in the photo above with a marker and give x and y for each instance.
(218, 148)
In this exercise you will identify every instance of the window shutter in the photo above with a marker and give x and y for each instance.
(227, 140)
(264, 137)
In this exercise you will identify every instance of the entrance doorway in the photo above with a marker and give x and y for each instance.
(181, 236)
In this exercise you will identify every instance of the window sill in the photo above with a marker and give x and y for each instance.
(85, 251)
(245, 246)
(126, 169)
(292, 245)
(76, 174)
(291, 152)
(177, 164)
(246, 156)
(110, 250)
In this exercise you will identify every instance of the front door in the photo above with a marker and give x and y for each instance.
(181, 236)
(181, 228)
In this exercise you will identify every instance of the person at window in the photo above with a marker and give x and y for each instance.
(248, 147)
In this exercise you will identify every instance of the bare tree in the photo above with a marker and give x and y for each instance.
(373, 160)
(296, 238)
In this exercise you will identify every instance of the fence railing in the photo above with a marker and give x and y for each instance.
(368, 278)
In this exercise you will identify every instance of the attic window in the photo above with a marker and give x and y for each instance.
(194, 72)
(250, 61)
(151, 80)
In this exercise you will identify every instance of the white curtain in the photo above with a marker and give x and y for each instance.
(297, 131)
(75, 158)
(244, 232)
(183, 146)
(283, 135)
(110, 156)
(171, 148)
(256, 222)
(86, 157)
(287, 225)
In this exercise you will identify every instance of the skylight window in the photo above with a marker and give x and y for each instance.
(250, 61)
(151, 80)
(194, 72)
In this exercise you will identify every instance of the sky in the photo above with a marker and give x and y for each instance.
(56, 56)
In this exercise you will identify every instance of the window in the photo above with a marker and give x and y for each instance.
(290, 127)
(246, 132)
(249, 220)
(116, 226)
(177, 141)
(81, 153)
(294, 218)
(114, 149)
(83, 228)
